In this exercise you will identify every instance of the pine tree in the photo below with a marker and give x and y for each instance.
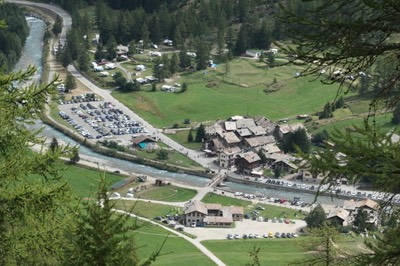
(190, 136)
(34, 198)
(70, 83)
(200, 133)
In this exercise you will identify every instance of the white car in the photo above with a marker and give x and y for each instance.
(230, 236)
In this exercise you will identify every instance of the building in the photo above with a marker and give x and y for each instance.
(367, 205)
(144, 142)
(211, 214)
(247, 162)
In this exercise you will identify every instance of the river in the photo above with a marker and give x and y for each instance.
(32, 55)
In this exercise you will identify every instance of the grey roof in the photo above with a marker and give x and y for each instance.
(193, 206)
(267, 124)
(232, 150)
(250, 157)
(230, 125)
(230, 138)
(260, 141)
(142, 138)
(244, 132)
(245, 122)
(257, 130)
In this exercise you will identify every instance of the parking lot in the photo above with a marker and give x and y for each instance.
(247, 227)
(100, 120)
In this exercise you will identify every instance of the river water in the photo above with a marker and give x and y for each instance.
(32, 55)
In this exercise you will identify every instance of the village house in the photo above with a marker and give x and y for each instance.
(247, 162)
(144, 142)
(367, 205)
(201, 214)
(230, 140)
(346, 214)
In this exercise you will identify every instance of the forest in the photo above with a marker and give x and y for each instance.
(12, 37)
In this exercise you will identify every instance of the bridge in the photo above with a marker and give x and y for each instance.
(217, 180)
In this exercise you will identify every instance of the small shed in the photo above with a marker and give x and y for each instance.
(161, 182)
(143, 141)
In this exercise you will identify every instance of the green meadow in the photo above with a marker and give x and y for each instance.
(213, 94)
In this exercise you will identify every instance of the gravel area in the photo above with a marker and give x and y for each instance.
(245, 227)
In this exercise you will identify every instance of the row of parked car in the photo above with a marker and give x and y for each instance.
(266, 235)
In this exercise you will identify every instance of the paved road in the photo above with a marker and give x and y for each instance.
(195, 242)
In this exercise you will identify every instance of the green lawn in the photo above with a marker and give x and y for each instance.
(174, 158)
(225, 201)
(84, 181)
(272, 251)
(176, 250)
(215, 95)
(167, 193)
(182, 136)
(147, 209)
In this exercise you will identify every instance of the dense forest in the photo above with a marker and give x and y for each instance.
(224, 24)
(12, 38)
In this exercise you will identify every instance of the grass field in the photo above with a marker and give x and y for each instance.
(272, 251)
(176, 250)
(147, 209)
(269, 210)
(84, 181)
(182, 136)
(166, 193)
(225, 201)
(215, 95)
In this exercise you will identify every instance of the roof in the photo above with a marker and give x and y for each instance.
(257, 130)
(236, 210)
(217, 144)
(271, 148)
(369, 203)
(260, 140)
(230, 138)
(236, 117)
(142, 138)
(218, 219)
(290, 128)
(250, 157)
(213, 206)
(265, 123)
(352, 204)
(244, 132)
(229, 126)
(193, 206)
(231, 150)
(214, 129)
(245, 122)
(340, 213)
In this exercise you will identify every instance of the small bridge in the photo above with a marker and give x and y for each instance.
(217, 180)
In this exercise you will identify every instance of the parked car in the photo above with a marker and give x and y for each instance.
(230, 236)
(277, 235)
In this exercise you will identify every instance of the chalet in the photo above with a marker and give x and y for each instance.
(144, 142)
(227, 157)
(282, 130)
(257, 130)
(230, 126)
(339, 216)
(248, 161)
(230, 139)
(211, 214)
(367, 205)
(252, 143)
(284, 165)
(268, 125)
(245, 123)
